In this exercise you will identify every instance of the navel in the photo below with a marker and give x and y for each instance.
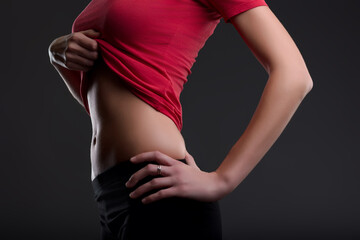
(94, 138)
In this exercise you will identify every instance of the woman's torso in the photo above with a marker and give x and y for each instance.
(123, 125)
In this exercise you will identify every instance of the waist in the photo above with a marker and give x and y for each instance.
(123, 125)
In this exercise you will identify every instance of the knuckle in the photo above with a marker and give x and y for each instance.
(161, 193)
(73, 37)
(182, 188)
(157, 153)
(175, 170)
(94, 45)
(176, 179)
(71, 46)
(148, 167)
(67, 56)
(155, 181)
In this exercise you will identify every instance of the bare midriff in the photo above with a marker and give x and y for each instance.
(123, 125)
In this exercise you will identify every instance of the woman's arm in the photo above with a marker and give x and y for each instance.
(70, 54)
(288, 83)
(70, 77)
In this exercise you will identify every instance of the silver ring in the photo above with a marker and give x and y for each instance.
(159, 169)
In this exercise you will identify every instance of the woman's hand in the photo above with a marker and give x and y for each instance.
(178, 179)
(75, 51)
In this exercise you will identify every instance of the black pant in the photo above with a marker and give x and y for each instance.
(175, 218)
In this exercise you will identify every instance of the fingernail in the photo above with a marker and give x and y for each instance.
(131, 159)
(128, 184)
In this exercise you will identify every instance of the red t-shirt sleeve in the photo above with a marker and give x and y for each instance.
(230, 8)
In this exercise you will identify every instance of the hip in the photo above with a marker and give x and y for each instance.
(122, 217)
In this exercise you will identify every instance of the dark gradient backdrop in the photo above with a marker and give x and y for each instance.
(306, 187)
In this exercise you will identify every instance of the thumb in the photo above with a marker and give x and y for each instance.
(190, 160)
(91, 33)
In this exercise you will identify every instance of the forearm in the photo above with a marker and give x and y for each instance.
(70, 77)
(281, 97)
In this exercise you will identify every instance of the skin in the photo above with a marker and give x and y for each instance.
(157, 139)
(122, 124)
(288, 83)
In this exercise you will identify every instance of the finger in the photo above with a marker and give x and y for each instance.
(70, 57)
(77, 67)
(149, 169)
(85, 41)
(70, 65)
(154, 156)
(91, 33)
(80, 50)
(155, 183)
(163, 193)
(190, 160)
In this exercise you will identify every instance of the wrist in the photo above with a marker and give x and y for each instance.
(222, 186)
(51, 54)
(53, 50)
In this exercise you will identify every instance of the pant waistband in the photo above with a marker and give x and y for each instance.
(119, 172)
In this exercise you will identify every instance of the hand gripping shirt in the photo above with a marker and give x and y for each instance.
(152, 44)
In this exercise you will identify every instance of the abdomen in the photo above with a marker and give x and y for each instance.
(123, 125)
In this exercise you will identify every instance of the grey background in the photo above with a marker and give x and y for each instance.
(306, 186)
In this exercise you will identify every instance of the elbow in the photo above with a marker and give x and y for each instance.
(292, 72)
(307, 83)
(302, 82)
(296, 81)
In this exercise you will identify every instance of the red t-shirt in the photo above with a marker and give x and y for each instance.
(153, 44)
